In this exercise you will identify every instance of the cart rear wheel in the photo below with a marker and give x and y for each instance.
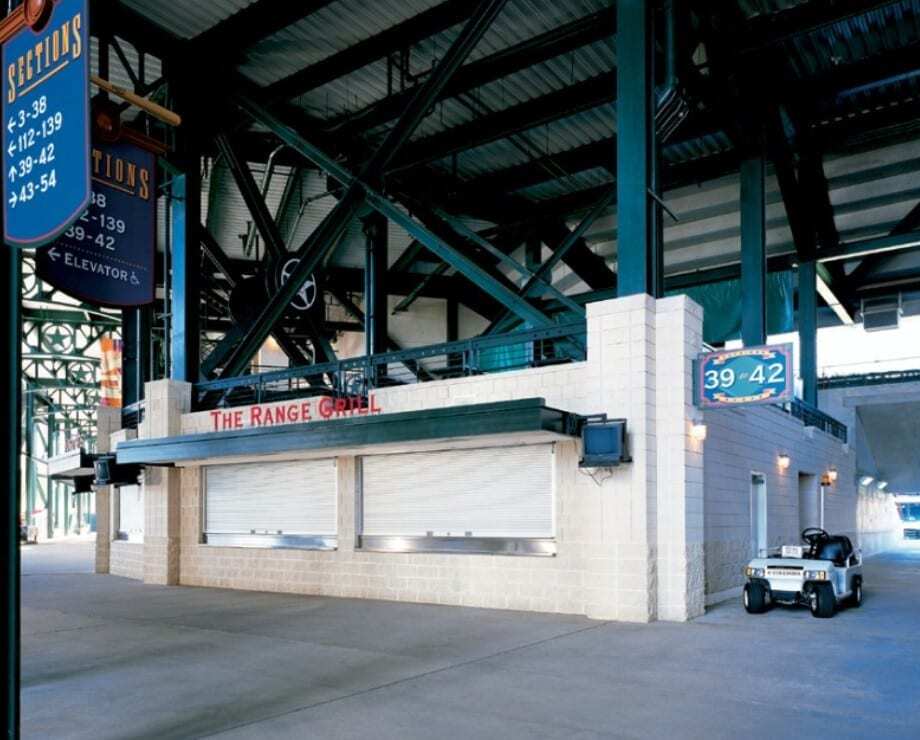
(856, 596)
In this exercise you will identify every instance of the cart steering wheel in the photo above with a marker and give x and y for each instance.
(813, 535)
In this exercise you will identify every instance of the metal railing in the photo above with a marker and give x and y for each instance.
(862, 379)
(356, 377)
(812, 417)
(132, 416)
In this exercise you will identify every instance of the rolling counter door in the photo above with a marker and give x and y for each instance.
(271, 504)
(130, 513)
(497, 499)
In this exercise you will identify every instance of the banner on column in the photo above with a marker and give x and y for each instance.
(110, 392)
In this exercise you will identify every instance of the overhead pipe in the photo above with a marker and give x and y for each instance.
(266, 185)
(671, 105)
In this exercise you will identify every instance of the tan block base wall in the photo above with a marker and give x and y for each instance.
(127, 559)
(579, 580)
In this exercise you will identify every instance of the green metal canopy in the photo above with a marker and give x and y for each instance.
(529, 415)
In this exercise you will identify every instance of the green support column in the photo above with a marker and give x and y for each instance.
(185, 345)
(31, 467)
(533, 253)
(637, 261)
(10, 320)
(753, 253)
(136, 336)
(376, 309)
(50, 486)
(808, 331)
(453, 320)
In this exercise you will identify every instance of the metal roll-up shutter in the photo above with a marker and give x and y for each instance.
(131, 513)
(504, 492)
(271, 499)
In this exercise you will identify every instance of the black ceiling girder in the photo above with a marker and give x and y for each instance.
(868, 128)
(682, 281)
(245, 28)
(814, 187)
(568, 101)
(326, 235)
(769, 29)
(867, 70)
(133, 27)
(411, 31)
(252, 195)
(551, 167)
(856, 278)
(532, 51)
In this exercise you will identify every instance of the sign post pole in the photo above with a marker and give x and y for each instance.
(11, 390)
(46, 186)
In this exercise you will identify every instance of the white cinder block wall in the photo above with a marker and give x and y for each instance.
(655, 540)
(610, 562)
(741, 442)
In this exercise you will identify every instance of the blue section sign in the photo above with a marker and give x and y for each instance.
(107, 256)
(46, 126)
(739, 377)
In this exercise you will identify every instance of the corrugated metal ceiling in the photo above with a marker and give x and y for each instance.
(187, 19)
(868, 198)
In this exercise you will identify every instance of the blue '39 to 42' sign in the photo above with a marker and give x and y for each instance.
(46, 168)
(750, 375)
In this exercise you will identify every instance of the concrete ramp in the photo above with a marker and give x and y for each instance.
(884, 423)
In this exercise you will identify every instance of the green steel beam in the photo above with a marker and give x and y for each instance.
(637, 264)
(466, 267)
(333, 226)
(185, 340)
(753, 253)
(70, 318)
(544, 273)
(808, 331)
(544, 284)
(376, 310)
(252, 196)
(909, 241)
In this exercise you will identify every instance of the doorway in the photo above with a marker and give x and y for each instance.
(758, 515)
(809, 501)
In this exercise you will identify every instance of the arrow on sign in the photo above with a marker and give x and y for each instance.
(12, 174)
(11, 125)
(53, 254)
(13, 200)
(12, 150)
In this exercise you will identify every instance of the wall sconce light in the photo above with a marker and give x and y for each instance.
(866, 480)
(882, 485)
(784, 461)
(698, 432)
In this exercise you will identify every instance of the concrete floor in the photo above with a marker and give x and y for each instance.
(106, 657)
